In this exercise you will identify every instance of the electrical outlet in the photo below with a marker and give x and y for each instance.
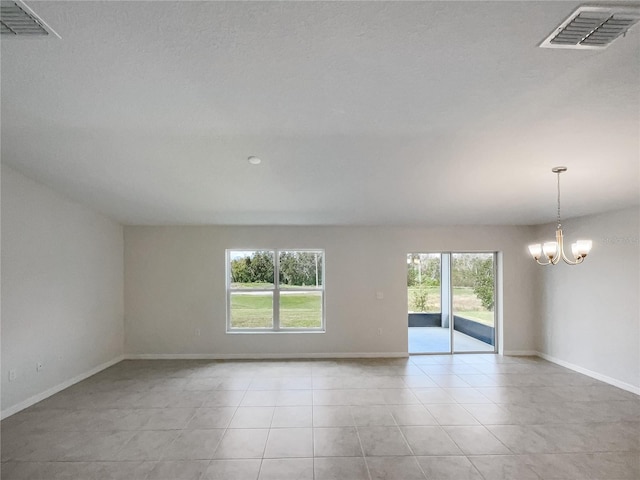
(379, 331)
(379, 295)
(197, 332)
(12, 375)
(39, 366)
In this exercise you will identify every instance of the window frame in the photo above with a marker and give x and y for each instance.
(276, 290)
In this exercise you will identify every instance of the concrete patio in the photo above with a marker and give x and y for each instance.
(436, 340)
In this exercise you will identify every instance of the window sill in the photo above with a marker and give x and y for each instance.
(272, 332)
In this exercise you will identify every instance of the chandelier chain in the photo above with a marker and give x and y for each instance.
(559, 224)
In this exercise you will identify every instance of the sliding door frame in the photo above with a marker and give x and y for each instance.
(448, 255)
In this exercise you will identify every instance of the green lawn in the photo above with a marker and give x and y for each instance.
(481, 316)
(304, 310)
(465, 303)
(297, 310)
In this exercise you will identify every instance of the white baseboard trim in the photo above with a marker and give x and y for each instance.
(7, 412)
(590, 373)
(520, 353)
(258, 356)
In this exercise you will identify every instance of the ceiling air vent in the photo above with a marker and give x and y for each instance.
(592, 28)
(19, 20)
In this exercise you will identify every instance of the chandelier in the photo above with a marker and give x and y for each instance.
(554, 251)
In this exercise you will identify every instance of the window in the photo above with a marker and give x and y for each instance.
(275, 290)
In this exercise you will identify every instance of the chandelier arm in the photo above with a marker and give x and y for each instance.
(560, 253)
(566, 260)
(543, 264)
(569, 262)
(559, 244)
(578, 261)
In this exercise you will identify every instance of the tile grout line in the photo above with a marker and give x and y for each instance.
(413, 455)
(364, 457)
(226, 429)
(223, 433)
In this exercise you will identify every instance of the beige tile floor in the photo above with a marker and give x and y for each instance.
(427, 417)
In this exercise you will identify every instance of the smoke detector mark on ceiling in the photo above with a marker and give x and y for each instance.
(593, 28)
(17, 19)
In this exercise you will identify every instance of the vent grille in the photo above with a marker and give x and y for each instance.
(17, 19)
(592, 28)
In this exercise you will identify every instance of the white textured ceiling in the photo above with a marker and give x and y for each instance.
(363, 113)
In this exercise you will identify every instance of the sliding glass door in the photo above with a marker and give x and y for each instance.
(451, 302)
(427, 331)
(473, 299)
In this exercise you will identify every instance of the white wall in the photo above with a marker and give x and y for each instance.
(62, 289)
(175, 284)
(590, 314)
